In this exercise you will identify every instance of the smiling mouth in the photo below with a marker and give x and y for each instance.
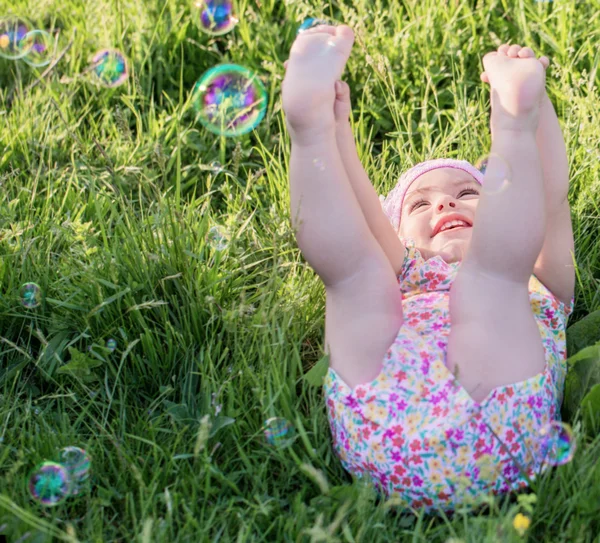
(451, 229)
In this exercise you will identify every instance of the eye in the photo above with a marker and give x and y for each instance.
(468, 191)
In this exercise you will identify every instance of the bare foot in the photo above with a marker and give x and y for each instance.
(517, 84)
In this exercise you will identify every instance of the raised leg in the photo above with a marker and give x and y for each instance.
(494, 339)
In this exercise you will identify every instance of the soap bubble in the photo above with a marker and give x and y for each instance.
(110, 67)
(31, 295)
(497, 173)
(77, 462)
(230, 100)
(311, 23)
(279, 432)
(215, 17)
(12, 32)
(49, 484)
(557, 443)
(218, 238)
(111, 345)
(39, 47)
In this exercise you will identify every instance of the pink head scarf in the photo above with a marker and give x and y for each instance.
(392, 203)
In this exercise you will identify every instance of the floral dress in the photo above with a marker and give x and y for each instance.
(416, 432)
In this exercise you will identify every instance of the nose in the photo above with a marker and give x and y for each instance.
(441, 206)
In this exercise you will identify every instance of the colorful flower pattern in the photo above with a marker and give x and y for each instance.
(417, 433)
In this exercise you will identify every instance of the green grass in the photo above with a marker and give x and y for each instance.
(107, 199)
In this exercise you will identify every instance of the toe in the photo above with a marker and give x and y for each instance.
(526, 52)
(513, 51)
(545, 61)
(503, 49)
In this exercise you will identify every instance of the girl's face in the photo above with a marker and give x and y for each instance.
(434, 196)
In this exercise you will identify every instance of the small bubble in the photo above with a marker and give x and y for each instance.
(78, 463)
(311, 22)
(49, 484)
(215, 17)
(110, 67)
(318, 163)
(279, 432)
(497, 173)
(31, 295)
(557, 443)
(217, 238)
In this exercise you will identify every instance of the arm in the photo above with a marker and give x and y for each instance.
(330, 228)
(379, 224)
(553, 154)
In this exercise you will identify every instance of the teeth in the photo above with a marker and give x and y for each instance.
(452, 224)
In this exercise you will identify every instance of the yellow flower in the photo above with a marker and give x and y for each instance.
(521, 523)
(435, 478)
(381, 413)
(370, 411)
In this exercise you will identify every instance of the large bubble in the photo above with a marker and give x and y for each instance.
(12, 32)
(215, 17)
(230, 100)
(39, 47)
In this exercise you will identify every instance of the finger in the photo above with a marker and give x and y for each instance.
(484, 77)
(285, 64)
(503, 49)
(526, 52)
(513, 51)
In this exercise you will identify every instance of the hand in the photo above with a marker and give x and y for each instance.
(317, 59)
(517, 81)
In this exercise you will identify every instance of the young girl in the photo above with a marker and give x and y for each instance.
(445, 312)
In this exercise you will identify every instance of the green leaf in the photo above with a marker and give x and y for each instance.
(583, 333)
(590, 408)
(80, 366)
(218, 423)
(317, 373)
(178, 411)
(583, 373)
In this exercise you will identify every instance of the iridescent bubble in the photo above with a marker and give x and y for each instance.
(39, 47)
(230, 100)
(49, 484)
(310, 23)
(78, 463)
(110, 67)
(215, 17)
(111, 345)
(31, 295)
(279, 432)
(318, 163)
(218, 238)
(497, 173)
(12, 32)
(557, 443)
